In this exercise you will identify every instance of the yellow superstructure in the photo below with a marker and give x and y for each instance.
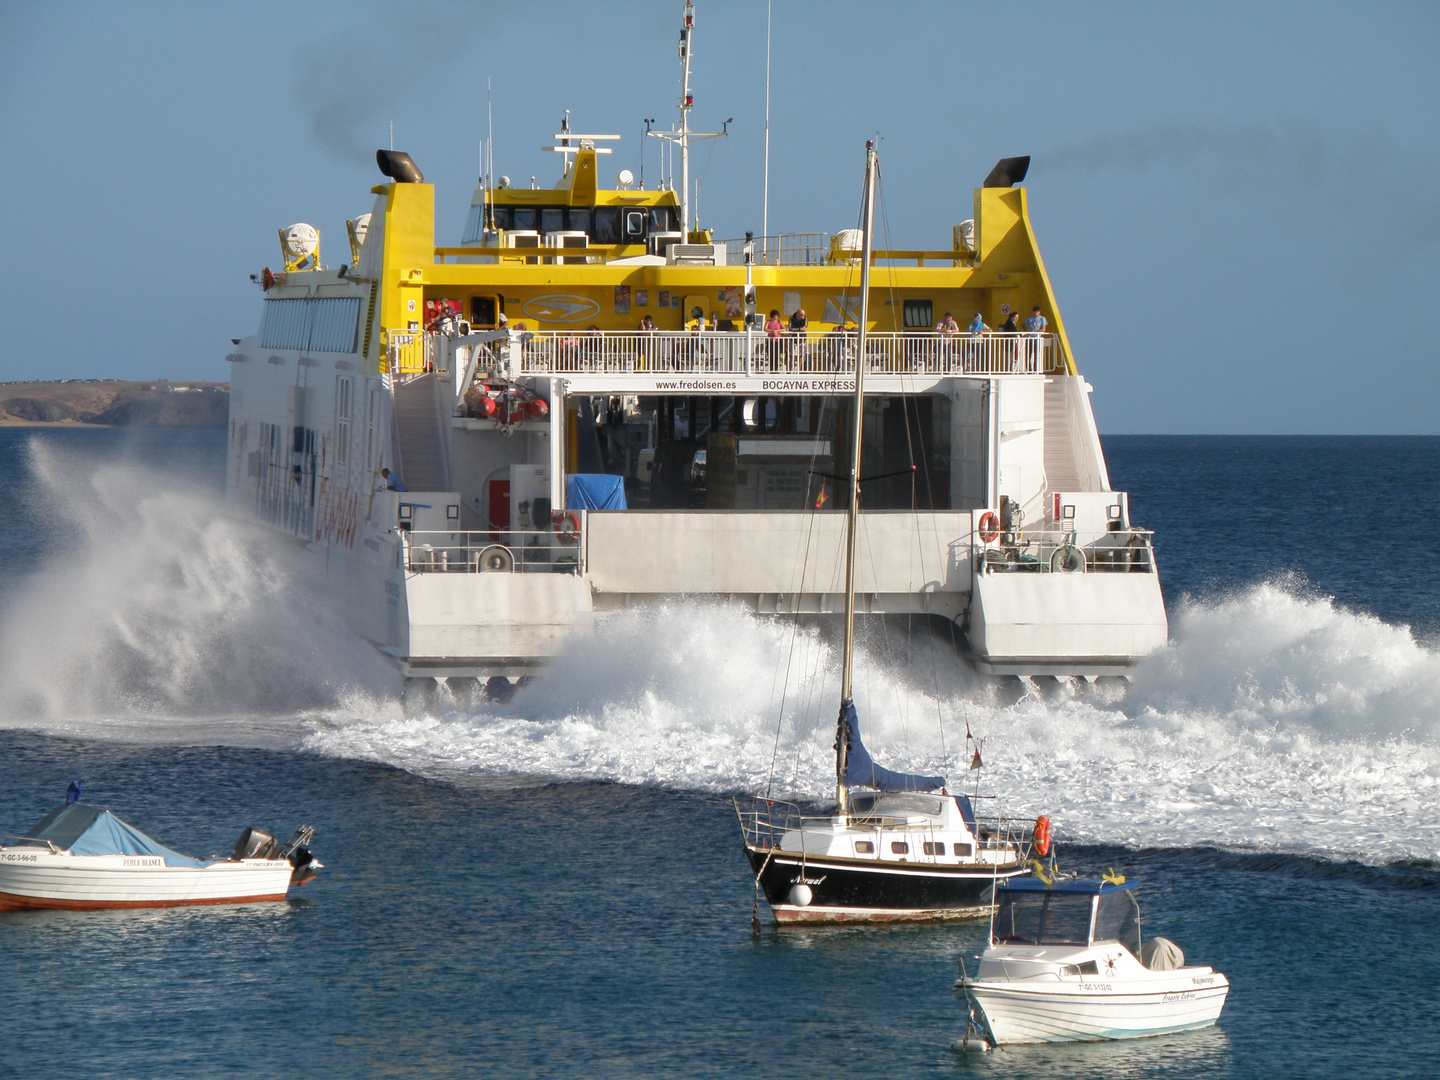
(612, 286)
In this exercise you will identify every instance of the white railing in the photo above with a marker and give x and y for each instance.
(1056, 552)
(498, 551)
(784, 249)
(562, 352)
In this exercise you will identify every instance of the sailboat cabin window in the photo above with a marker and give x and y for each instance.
(864, 847)
(919, 314)
(899, 847)
(934, 849)
(962, 851)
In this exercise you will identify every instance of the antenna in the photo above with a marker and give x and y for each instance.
(490, 172)
(684, 136)
(765, 204)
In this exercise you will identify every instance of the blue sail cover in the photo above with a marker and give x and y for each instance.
(861, 770)
(594, 491)
(88, 830)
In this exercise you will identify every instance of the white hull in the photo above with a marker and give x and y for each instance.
(1055, 1014)
(41, 879)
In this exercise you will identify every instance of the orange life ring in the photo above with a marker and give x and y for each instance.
(1042, 836)
(567, 524)
(989, 526)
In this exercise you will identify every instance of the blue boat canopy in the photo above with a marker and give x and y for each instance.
(861, 770)
(89, 830)
(594, 491)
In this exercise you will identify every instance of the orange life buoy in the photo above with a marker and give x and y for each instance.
(1042, 836)
(567, 524)
(989, 526)
(267, 280)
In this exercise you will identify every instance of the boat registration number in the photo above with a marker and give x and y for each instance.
(156, 861)
(1095, 986)
(8, 857)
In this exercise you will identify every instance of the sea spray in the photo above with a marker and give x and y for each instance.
(710, 697)
(163, 605)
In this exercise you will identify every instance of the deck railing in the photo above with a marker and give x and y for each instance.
(764, 822)
(499, 551)
(1055, 551)
(566, 352)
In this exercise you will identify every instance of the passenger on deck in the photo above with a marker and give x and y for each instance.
(800, 330)
(1008, 326)
(1036, 323)
(947, 326)
(774, 336)
(977, 326)
(647, 325)
(393, 481)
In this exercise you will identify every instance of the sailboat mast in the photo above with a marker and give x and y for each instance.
(857, 428)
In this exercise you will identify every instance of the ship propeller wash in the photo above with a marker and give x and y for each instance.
(590, 402)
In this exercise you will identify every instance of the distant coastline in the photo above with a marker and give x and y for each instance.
(159, 403)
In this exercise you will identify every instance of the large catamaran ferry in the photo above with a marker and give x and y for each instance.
(591, 403)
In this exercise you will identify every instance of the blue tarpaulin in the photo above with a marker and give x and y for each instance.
(594, 491)
(861, 771)
(88, 830)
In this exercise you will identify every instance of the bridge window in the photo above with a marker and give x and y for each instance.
(579, 219)
(661, 219)
(500, 217)
(552, 219)
(524, 217)
(607, 225)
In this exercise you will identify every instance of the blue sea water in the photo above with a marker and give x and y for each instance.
(556, 886)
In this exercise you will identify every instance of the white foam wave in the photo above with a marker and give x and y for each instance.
(1275, 721)
(163, 607)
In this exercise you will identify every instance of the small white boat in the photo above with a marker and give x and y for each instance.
(81, 856)
(1059, 968)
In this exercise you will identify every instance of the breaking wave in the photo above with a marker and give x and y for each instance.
(159, 604)
(1276, 719)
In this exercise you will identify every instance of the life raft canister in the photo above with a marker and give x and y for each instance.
(989, 526)
(1042, 836)
(567, 524)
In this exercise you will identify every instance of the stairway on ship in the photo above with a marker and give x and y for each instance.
(417, 423)
(1061, 471)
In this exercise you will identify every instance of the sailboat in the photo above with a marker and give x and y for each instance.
(898, 845)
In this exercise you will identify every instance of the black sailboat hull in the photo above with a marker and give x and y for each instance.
(854, 890)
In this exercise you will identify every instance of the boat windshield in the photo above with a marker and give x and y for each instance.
(893, 804)
(1117, 918)
(1043, 918)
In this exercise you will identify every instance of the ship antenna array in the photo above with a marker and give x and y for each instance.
(684, 136)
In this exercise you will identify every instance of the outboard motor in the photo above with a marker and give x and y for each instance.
(254, 844)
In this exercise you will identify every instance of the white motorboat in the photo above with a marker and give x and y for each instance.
(1059, 968)
(81, 856)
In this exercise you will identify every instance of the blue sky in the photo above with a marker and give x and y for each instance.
(1239, 204)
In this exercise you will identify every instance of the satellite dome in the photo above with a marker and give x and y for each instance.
(301, 240)
(361, 227)
(626, 177)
